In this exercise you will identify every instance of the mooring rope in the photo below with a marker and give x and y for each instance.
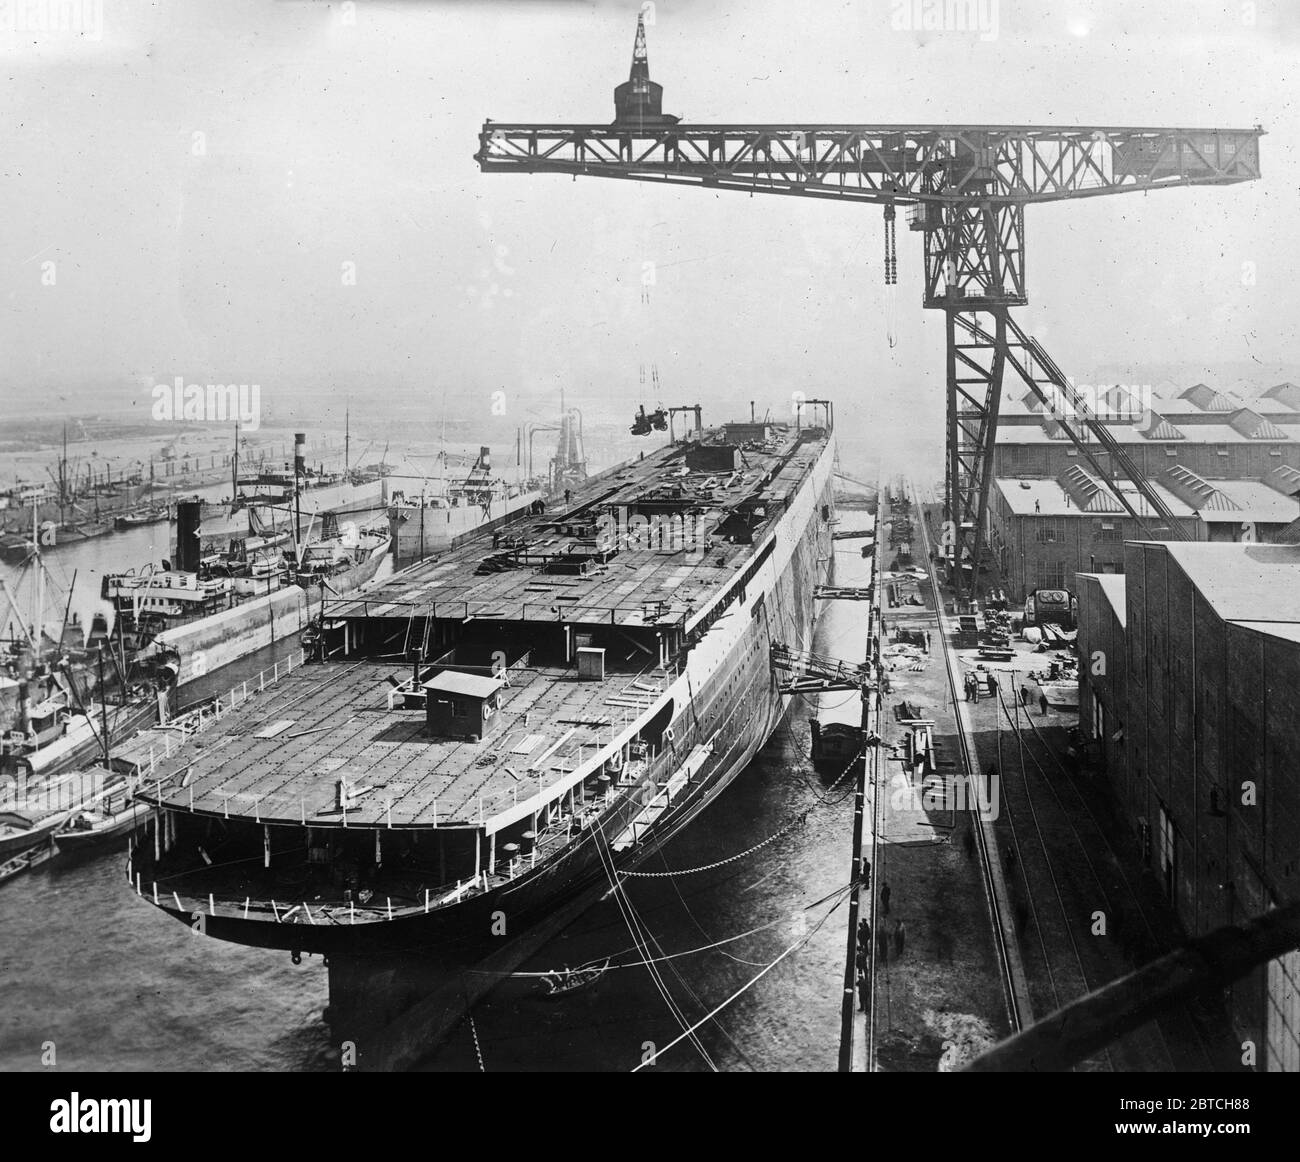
(799, 821)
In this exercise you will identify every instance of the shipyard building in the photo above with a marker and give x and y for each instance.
(1227, 465)
(1188, 699)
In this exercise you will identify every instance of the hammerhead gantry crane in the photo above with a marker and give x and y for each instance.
(966, 187)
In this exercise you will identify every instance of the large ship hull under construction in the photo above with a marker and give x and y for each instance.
(494, 735)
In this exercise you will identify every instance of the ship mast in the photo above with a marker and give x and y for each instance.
(39, 594)
(299, 454)
(444, 446)
(67, 609)
(28, 629)
(63, 475)
(103, 708)
(33, 630)
(562, 450)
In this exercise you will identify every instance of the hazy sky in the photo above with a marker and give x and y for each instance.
(200, 174)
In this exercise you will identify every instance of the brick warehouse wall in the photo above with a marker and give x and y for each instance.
(1086, 547)
(1209, 710)
(1164, 792)
(1246, 460)
(1210, 655)
(1102, 636)
(1281, 671)
(1264, 749)
(1135, 686)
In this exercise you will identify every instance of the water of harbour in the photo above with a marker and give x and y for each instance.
(118, 986)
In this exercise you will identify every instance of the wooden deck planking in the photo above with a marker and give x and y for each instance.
(343, 704)
(656, 573)
(294, 774)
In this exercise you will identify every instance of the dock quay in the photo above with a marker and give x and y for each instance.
(1076, 904)
(921, 942)
(993, 853)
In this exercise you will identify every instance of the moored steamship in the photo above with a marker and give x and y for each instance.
(499, 730)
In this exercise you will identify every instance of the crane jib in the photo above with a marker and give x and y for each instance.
(929, 163)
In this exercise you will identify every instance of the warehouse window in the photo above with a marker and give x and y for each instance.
(1109, 532)
(1050, 531)
(1051, 575)
(1166, 849)
(1275, 450)
(1221, 450)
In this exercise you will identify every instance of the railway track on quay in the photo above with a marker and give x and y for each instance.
(1018, 1007)
(1066, 908)
(1093, 882)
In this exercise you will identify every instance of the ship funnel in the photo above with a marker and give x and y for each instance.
(24, 706)
(188, 546)
(299, 453)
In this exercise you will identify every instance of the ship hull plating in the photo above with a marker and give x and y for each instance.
(212, 642)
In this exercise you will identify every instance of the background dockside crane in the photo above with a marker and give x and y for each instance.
(966, 188)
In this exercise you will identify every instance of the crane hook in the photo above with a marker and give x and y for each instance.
(891, 253)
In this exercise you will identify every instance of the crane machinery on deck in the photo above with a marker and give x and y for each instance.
(644, 422)
(966, 188)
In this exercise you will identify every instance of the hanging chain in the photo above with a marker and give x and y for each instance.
(891, 252)
(797, 822)
(473, 1028)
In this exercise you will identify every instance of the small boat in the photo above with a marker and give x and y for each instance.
(569, 980)
(141, 516)
(52, 804)
(16, 548)
(26, 860)
(102, 823)
(21, 833)
(74, 532)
